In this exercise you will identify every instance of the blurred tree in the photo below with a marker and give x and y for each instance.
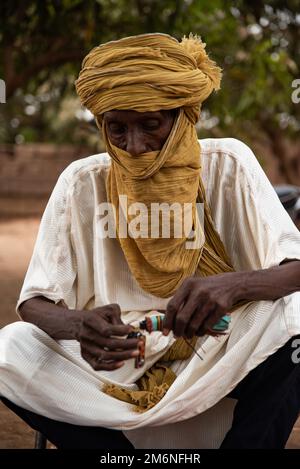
(256, 43)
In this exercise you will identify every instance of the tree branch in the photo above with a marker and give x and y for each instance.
(15, 81)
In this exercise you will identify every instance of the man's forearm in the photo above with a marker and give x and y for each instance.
(55, 320)
(266, 284)
(269, 284)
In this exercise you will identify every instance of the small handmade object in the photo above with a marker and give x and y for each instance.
(155, 323)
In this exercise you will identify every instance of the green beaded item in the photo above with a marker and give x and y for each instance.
(223, 324)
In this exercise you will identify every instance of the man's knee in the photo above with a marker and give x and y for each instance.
(16, 329)
(13, 339)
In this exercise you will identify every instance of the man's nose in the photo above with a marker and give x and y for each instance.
(135, 144)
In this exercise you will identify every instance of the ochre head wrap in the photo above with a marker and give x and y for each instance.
(149, 72)
(154, 72)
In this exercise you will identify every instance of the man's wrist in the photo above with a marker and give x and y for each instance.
(242, 282)
(256, 285)
(75, 323)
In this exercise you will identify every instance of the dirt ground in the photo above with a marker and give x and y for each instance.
(16, 241)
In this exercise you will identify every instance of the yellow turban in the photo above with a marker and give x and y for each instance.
(154, 72)
(149, 72)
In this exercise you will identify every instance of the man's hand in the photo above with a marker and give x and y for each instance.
(195, 308)
(98, 334)
(199, 303)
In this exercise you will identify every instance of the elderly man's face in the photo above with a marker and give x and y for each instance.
(138, 132)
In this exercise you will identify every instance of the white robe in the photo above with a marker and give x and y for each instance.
(71, 263)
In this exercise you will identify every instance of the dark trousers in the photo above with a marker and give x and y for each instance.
(267, 409)
(268, 402)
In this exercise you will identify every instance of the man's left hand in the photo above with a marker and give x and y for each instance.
(199, 303)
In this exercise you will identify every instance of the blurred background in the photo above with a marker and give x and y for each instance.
(43, 127)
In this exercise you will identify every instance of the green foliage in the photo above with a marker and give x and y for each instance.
(43, 42)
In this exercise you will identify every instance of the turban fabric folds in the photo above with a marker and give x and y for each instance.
(149, 72)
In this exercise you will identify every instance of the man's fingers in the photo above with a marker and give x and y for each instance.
(114, 308)
(202, 312)
(109, 355)
(211, 320)
(116, 321)
(214, 318)
(109, 330)
(174, 305)
(98, 365)
(121, 344)
(113, 314)
(184, 316)
(107, 366)
(111, 343)
(100, 359)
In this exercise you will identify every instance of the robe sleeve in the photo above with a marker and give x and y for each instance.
(52, 268)
(257, 231)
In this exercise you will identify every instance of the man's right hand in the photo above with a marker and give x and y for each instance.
(100, 331)
(101, 335)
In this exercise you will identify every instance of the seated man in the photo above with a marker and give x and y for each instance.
(103, 260)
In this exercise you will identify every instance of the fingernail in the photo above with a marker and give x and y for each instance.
(135, 353)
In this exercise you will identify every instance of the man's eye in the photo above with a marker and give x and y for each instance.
(151, 124)
(116, 128)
